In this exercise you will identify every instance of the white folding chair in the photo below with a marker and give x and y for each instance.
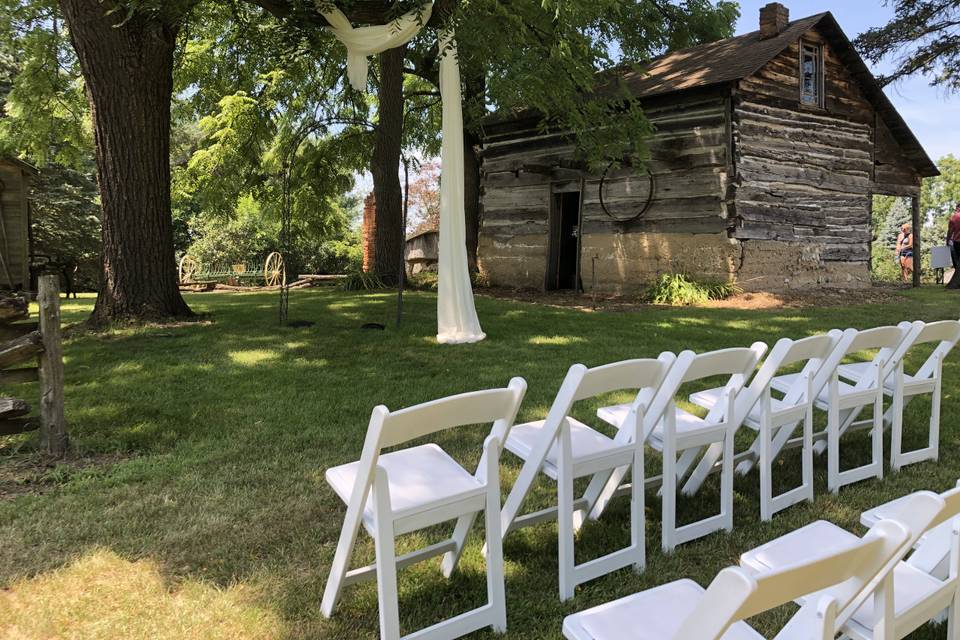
(681, 436)
(395, 493)
(843, 403)
(935, 557)
(774, 419)
(918, 594)
(563, 448)
(683, 610)
(902, 388)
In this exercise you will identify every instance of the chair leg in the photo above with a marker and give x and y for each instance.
(669, 499)
(806, 453)
(896, 431)
(935, 418)
(878, 433)
(953, 625)
(637, 512)
(833, 446)
(700, 473)
(460, 532)
(565, 518)
(341, 559)
(766, 469)
(726, 481)
(495, 569)
(384, 544)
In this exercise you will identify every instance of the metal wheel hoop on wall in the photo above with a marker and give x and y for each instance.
(643, 209)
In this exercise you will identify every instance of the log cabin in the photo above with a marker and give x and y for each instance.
(766, 152)
(15, 181)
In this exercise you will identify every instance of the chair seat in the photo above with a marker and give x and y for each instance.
(418, 477)
(654, 614)
(857, 370)
(584, 441)
(816, 538)
(708, 399)
(888, 510)
(687, 423)
(785, 382)
(910, 584)
(688, 426)
(614, 415)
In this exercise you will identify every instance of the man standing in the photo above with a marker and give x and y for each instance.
(953, 241)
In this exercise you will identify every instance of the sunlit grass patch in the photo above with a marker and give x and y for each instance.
(556, 340)
(101, 595)
(253, 357)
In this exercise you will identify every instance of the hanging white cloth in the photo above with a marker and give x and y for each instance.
(457, 320)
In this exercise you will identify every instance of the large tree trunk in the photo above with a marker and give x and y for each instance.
(388, 142)
(128, 70)
(474, 99)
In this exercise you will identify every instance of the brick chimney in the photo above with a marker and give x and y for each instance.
(369, 232)
(773, 20)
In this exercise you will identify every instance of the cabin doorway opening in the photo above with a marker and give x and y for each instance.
(563, 270)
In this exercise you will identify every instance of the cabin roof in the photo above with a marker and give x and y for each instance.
(25, 166)
(732, 59)
(712, 63)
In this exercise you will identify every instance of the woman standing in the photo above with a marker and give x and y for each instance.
(905, 253)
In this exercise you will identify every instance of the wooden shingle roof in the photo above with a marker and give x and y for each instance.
(713, 63)
(736, 58)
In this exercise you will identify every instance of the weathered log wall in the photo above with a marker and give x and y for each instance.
(689, 159)
(804, 175)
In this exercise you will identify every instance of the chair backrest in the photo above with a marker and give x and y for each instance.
(738, 363)
(890, 344)
(643, 375)
(812, 350)
(932, 551)
(475, 407)
(736, 594)
(840, 350)
(388, 429)
(947, 333)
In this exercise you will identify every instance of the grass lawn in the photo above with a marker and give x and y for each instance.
(216, 521)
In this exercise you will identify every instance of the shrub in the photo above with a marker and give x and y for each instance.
(361, 281)
(677, 289)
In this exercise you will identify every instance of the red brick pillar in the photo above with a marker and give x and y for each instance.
(369, 232)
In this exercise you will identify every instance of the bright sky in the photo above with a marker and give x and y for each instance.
(931, 113)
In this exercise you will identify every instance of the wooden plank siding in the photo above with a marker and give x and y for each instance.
(804, 174)
(689, 158)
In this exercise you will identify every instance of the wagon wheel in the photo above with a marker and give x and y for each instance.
(189, 266)
(274, 270)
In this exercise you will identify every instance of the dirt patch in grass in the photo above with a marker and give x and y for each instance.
(761, 300)
(24, 474)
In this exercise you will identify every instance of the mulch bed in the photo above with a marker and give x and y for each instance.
(746, 301)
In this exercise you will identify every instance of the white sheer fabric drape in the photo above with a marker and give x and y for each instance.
(457, 320)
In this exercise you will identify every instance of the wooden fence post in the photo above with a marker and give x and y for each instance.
(53, 426)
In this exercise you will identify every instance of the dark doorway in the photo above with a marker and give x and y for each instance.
(565, 246)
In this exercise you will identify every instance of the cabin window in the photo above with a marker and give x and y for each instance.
(811, 75)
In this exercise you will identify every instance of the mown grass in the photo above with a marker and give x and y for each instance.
(220, 523)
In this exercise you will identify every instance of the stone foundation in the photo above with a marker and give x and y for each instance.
(624, 263)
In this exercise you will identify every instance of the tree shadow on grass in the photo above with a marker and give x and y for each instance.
(236, 422)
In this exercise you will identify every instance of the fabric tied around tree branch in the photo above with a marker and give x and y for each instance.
(457, 320)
